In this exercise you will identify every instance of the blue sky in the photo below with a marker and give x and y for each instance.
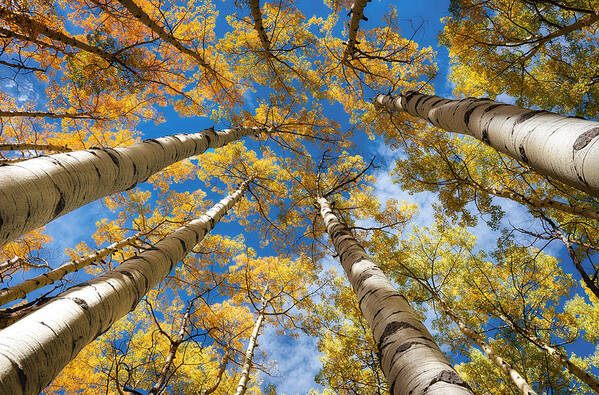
(296, 360)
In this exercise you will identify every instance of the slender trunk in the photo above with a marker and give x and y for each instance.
(31, 25)
(249, 356)
(357, 13)
(46, 114)
(501, 363)
(35, 349)
(145, 19)
(36, 191)
(258, 25)
(410, 359)
(20, 66)
(21, 290)
(31, 146)
(542, 203)
(219, 376)
(556, 354)
(538, 42)
(172, 352)
(565, 148)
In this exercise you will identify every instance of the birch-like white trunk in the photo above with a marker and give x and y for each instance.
(556, 354)
(38, 147)
(34, 192)
(249, 356)
(21, 290)
(219, 376)
(543, 203)
(565, 148)
(505, 366)
(357, 10)
(410, 359)
(144, 18)
(34, 349)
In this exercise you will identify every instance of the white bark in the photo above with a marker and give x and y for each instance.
(357, 10)
(410, 359)
(34, 192)
(144, 18)
(35, 349)
(501, 363)
(219, 376)
(556, 354)
(249, 356)
(565, 148)
(543, 203)
(21, 290)
(32, 146)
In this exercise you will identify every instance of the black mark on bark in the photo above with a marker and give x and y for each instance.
(585, 138)
(113, 156)
(468, 114)
(81, 303)
(390, 329)
(485, 136)
(60, 205)
(523, 154)
(447, 376)
(526, 116)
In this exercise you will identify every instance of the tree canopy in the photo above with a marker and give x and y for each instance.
(267, 197)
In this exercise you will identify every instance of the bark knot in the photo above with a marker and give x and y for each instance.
(585, 138)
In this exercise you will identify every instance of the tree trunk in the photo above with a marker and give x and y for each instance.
(219, 376)
(565, 148)
(28, 24)
(21, 290)
(36, 191)
(145, 19)
(556, 354)
(46, 114)
(410, 359)
(258, 25)
(33, 146)
(357, 13)
(35, 349)
(162, 381)
(249, 356)
(501, 363)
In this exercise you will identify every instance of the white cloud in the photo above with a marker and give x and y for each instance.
(505, 98)
(296, 362)
(22, 91)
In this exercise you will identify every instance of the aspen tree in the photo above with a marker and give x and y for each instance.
(37, 147)
(410, 359)
(562, 147)
(258, 24)
(31, 25)
(36, 191)
(554, 353)
(249, 354)
(501, 363)
(35, 349)
(21, 290)
(357, 13)
(219, 375)
(145, 19)
(175, 343)
(48, 114)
